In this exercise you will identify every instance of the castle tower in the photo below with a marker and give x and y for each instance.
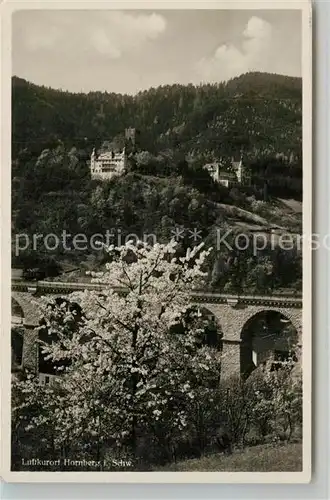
(239, 168)
(130, 135)
(93, 161)
(123, 159)
(240, 171)
(243, 172)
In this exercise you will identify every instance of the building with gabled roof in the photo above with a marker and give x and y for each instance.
(108, 165)
(239, 175)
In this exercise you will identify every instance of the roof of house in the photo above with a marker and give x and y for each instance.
(213, 165)
(109, 155)
(223, 175)
(105, 156)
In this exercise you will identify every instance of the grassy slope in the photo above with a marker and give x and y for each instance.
(266, 458)
(294, 205)
(276, 214)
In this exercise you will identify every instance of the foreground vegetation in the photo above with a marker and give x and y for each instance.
(139, 374)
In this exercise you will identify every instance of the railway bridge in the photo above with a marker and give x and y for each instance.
(249, 326)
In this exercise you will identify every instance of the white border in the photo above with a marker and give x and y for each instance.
(7, 9)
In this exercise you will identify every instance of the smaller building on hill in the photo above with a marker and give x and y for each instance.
(238, 174)
(242, 172)
(223, 177)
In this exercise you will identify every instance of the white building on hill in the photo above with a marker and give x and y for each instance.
(238, 176)
(108, 164)
(221, 176)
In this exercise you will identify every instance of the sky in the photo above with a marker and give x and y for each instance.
(127, 51)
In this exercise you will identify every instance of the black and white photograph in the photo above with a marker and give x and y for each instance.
(159, 216)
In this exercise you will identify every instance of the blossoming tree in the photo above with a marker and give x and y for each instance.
(130, 367)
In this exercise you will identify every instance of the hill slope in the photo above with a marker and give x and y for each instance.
(165, 187)
(285, 458)
(259, 112)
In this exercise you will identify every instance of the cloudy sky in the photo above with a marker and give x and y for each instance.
(126, 51)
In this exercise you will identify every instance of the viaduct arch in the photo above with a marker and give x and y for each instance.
(231, 312)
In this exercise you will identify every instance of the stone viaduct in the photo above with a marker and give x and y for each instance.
(231, 313)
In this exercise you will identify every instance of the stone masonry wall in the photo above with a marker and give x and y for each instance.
(231, 319)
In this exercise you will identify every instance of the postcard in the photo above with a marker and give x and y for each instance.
(156, 263)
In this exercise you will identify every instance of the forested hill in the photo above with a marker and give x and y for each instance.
(258, 112)
(165, 185)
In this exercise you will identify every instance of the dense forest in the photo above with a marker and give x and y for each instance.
(180, 128)
(258, 112)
